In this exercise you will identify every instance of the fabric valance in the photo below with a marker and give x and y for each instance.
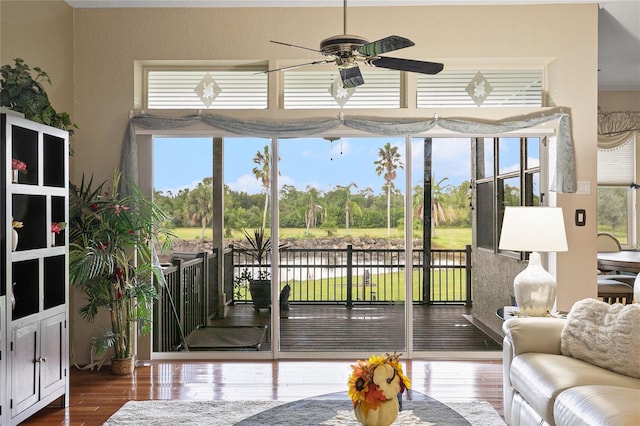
(563, 181)
(616, 128)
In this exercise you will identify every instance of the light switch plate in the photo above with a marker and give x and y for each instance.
(584, 187)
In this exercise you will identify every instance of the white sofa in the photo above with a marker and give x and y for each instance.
(544, 387)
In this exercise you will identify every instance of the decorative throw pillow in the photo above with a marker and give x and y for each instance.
(604, 335)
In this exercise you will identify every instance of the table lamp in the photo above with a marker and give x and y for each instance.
(534, 229)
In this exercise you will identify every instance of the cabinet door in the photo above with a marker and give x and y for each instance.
(3, 356)
(52, 355)
(24, 367)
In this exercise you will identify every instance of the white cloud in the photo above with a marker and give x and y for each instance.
(341, 147)
(176, 189)
(510, 168)
(246, 183)
(451, 158)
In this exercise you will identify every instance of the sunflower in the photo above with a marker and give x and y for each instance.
(359, 382)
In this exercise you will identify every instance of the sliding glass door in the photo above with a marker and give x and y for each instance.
(341, 223)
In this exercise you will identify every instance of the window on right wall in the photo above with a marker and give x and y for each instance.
(616, 196)
(507, 174)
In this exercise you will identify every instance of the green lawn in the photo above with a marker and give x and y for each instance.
(387, 287)
(454, 238)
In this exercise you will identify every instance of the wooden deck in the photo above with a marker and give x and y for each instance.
(326, 328)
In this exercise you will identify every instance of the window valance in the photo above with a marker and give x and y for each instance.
(616, 128)
(563, 181)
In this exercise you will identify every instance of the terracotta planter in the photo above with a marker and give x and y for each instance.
(123, 366)
(384, 415)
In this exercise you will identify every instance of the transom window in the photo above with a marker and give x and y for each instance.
(206, 88)
(323, 89)
(245, 86)
(487, 88)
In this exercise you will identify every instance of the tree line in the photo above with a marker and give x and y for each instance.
(341, 207)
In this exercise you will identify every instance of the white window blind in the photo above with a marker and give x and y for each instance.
(509, 88)
(176, 89)
(616, 166)
(314, 89)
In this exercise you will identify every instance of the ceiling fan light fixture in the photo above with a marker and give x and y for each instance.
(341, 44)
(346, 50)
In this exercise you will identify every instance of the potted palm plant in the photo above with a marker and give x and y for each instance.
(111, 260)
(259, 248)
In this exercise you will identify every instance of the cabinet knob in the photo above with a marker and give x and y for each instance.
(42, 359)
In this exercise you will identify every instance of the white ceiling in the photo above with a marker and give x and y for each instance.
(618, 26)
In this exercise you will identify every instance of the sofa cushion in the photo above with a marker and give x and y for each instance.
(604, 335)
(539, 378)
(598, 405)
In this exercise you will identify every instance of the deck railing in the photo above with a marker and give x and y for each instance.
(350, 276)
(336, 276)
(185, 300)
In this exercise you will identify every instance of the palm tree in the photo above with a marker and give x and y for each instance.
(437, 209)
(312, 207)
(199, 204)
(262, 172)
(386, 166)
(438, 215)
(349, 205)
(367, 193)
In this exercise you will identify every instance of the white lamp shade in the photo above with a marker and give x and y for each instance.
(538, 229)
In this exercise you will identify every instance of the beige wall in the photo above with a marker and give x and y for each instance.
(619, 101)
(106, 42)
(41, 33)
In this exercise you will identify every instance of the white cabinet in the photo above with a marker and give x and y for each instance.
(34, 337)
(39, 369)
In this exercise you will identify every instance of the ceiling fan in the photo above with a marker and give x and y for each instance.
(347, 50)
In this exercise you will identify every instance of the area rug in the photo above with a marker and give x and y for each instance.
(331, 410)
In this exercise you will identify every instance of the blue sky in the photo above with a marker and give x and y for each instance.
(183, 162)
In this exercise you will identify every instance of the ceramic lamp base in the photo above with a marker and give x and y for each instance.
(535, 289)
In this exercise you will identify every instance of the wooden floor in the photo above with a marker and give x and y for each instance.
(323, 328)
(96, 395)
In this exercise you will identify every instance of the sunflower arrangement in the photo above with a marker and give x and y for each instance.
(376, 380)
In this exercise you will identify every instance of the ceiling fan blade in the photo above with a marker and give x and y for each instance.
(299, 47)
(384, 45)
(351, 76)
(324, 61)
(411, 65)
